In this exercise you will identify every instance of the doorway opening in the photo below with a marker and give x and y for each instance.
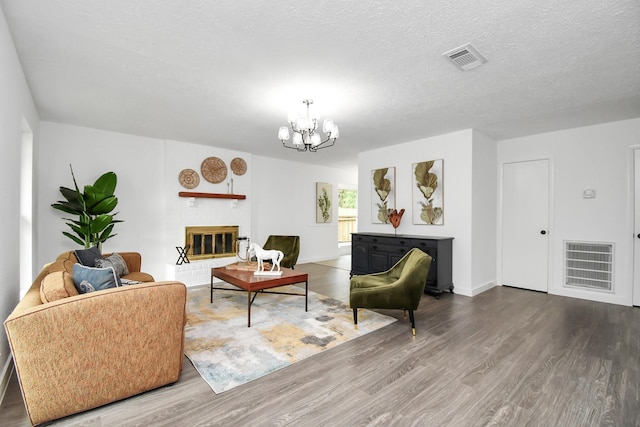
(347, 217)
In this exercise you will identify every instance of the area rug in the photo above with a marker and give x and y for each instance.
(227, 353)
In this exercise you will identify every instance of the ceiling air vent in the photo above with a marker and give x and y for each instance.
(465, 57)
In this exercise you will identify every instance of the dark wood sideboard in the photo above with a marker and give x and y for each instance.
(375, 252)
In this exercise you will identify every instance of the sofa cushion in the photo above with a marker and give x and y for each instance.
(57, 285)
(116, 261)
(89, 279)
(88, 256)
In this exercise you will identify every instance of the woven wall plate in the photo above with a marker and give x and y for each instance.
(238, 166)
(213, 170)
(189, 178)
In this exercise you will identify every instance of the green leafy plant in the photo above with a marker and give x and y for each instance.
(347, 198)
(93, 207)
(324, 203)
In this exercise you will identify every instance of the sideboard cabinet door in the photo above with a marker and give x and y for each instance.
(379, 261)
(359, 256)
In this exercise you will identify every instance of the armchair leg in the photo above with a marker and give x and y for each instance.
(355, 317)
(413, 322)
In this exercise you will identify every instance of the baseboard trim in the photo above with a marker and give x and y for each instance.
(5, 377)
(482, 288)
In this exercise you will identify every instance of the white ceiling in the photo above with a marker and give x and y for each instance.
(226, 72)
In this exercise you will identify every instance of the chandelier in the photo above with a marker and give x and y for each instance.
(305, 134)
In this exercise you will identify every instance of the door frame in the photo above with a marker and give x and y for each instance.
(550, 210)
(635, 272)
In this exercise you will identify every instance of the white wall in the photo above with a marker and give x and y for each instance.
(16, 105)
(280, 194)
(595, 157)
(458, 152)
(154, 216)
(284, 196)
(483, 213)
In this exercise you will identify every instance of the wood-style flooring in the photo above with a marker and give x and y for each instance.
(507, 357)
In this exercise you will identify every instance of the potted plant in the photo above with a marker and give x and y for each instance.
(93, 208)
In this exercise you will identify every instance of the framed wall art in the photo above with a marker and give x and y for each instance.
(428, 192)
(324, 205)
(383, 194)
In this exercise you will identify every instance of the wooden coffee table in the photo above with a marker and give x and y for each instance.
(246, 281)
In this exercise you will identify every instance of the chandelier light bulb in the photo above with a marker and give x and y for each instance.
(283, 133)
(297, 139)
(327, 125)
(315, 139)
(303, 123)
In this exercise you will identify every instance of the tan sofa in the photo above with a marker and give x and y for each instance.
(83, 351)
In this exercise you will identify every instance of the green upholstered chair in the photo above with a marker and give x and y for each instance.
(399, 287)
(289, 245)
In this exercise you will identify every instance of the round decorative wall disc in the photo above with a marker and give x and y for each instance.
(213, 170)
(238, 166)
(189, 178)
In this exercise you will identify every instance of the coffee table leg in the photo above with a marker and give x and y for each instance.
(211, 290)
(248, 309)
(306, 293)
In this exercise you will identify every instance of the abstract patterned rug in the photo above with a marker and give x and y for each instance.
(227, 354)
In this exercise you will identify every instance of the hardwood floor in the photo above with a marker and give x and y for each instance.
(507, 357)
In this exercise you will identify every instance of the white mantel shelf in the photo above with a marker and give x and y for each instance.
(211, 195)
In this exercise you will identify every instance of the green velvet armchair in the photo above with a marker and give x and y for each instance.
(289, 245)
(400, 287)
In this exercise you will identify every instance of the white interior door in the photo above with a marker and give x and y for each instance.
(636, 243)
(525, 224)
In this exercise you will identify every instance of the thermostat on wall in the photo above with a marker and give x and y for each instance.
(589, 194)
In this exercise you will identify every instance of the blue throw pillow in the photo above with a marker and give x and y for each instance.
(88, 256)
(89, 279)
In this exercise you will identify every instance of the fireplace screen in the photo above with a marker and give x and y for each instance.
(211, 241)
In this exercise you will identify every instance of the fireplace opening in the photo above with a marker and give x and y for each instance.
(211, 241)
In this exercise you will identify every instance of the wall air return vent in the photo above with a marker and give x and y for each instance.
(465, 57)
(589, 265)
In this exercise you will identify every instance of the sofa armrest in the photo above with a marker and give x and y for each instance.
(133, 260)
(82, 352)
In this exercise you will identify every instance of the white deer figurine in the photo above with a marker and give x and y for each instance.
(274, 255)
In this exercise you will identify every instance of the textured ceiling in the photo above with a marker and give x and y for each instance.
(226, 72)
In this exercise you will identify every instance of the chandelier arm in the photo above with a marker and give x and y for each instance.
(322, 144)
(284, 144)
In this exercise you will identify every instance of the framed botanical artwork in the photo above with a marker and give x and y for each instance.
(383, 194)
(428, 192)
(324, 205)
